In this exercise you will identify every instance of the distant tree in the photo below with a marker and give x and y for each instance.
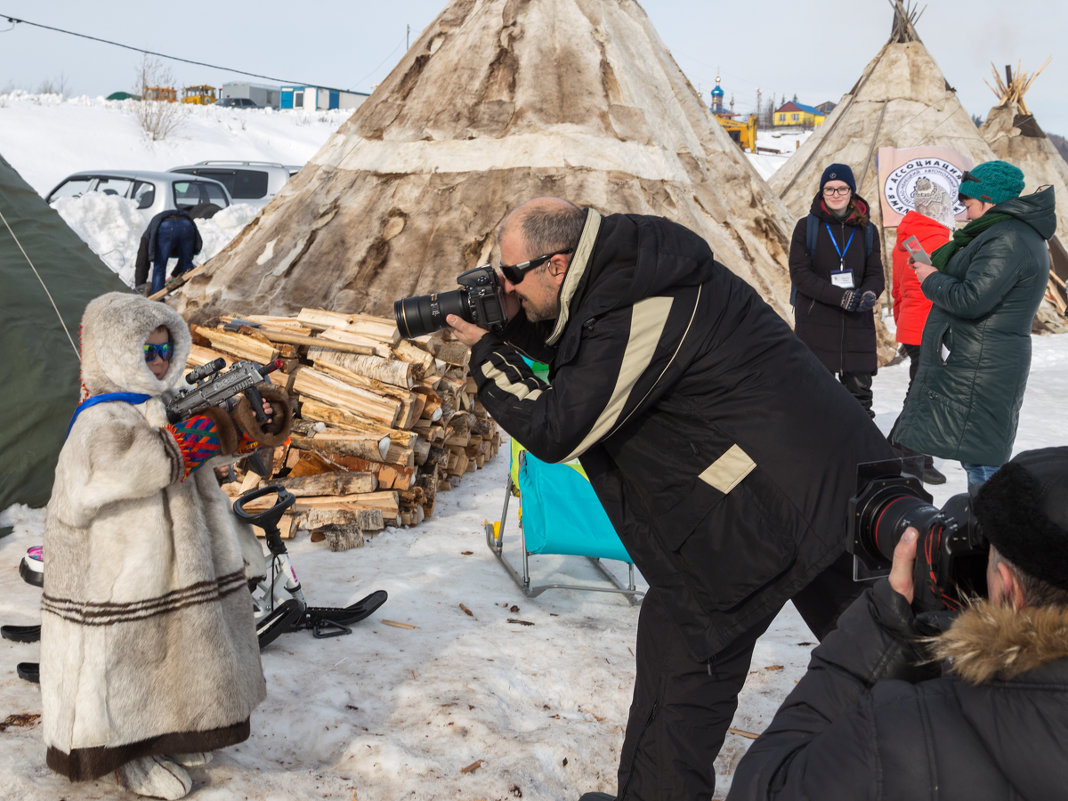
(54, 86)
(157, 118)
(1061, 144)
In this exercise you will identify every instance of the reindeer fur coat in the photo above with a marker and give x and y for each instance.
(148, 644)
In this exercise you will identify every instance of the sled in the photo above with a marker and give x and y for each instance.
(278, 598)
(558, 514)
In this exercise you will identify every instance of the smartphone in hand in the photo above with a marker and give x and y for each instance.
(916, 251)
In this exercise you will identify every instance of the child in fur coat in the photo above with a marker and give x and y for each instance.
(149, 656)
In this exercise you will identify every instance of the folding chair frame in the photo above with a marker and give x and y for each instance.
(495, 541)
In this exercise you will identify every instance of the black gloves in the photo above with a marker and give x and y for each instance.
(852, 300)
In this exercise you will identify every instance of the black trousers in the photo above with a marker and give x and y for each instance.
(682, 707)
(859, 386)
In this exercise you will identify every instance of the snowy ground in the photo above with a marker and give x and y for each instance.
(483, 693)
(534, 692)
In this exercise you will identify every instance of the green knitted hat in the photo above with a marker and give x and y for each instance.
(992, 182)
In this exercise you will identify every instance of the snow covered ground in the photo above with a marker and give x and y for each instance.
(481, 693)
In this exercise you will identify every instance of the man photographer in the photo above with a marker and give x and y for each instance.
(864, 723)
(723, 452)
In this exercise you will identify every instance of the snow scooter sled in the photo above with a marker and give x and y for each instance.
(278, 597)
(278, 600)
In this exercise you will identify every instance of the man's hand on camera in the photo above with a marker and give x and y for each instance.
(903, 564)
(466, 332)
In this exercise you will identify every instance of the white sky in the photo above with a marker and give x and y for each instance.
(815, 50)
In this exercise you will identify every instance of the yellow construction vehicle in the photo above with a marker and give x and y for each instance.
(200, 95)
(744, 132)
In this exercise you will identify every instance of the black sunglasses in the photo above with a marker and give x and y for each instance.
(163, 350)
(516, 272)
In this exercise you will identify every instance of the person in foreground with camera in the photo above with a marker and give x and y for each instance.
(149, 655)
(869, 721)
(723, 452)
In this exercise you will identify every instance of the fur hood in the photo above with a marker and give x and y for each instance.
(989, 642)
(114, 327)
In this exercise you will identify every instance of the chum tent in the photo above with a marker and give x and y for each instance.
(47, 275)
(901, 100)
(1016, 137)
(496, 103)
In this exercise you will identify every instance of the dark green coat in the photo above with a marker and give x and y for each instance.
(966, 405)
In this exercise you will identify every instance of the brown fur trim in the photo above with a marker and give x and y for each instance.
(83, 764)
(988, 641)
(277, 429)
(228, 436)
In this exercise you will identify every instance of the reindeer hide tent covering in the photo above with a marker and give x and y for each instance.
(499, 101)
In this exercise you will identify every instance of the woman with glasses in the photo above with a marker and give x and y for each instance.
(837, 276)
(985, 286)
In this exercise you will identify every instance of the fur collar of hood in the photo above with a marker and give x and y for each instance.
(114, 329)
(989, 641)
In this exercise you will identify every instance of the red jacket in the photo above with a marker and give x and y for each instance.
(910, 304)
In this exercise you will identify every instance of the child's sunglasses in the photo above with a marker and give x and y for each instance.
(163, 351)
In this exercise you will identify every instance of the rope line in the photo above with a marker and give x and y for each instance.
(164, 55)
(29, 261)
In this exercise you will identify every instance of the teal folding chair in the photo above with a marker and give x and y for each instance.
(558, 514)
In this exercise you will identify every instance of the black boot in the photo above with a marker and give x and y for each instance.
(930, 473)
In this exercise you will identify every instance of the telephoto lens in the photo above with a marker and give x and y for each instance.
(425, 314)
(950, 552)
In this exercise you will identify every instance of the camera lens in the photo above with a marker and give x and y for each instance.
(424, 314)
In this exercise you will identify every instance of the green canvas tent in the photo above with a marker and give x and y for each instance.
(47, 276)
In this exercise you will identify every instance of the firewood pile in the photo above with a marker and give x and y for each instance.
(383, 424)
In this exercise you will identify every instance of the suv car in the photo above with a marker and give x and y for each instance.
(252, 182)
(152, 191)
(237, 102)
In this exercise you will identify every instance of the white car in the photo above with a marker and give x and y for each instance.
(251, 182)
(152, 191)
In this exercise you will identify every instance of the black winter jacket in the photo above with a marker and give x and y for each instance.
(860, 726)
(844, 341)
(976, 351)
(723, 452)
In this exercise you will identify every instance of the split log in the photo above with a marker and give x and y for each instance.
(365, 519)
(382, 501)
(454, 353)
(422, 360)
(379, 328)
(340, 482)
(311, 409)
(320, 386)
(386, 371)
(198, 355)
(238, 345)
(345, 443)
(409, 401)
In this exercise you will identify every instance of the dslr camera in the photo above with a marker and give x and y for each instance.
(951, 553)
(478, 300)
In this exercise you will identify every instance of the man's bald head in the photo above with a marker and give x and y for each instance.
(546, 224)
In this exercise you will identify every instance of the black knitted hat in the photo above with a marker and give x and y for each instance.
(1023, 511)
(838, 172)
